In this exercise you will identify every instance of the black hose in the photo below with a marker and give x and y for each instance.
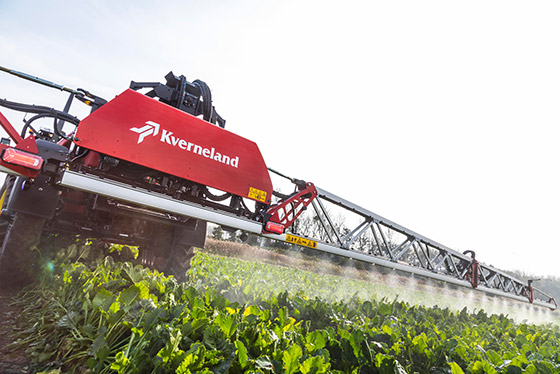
(218, 119)
(39, 116)
(247, 208)
(56, 125)
(213, 197)
(78, 156)
(206, 98)
(41, 112)
(26, 127)
(182, 91)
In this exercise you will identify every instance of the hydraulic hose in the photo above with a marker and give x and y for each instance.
(206, 98)
(213, 197)
(41, 112)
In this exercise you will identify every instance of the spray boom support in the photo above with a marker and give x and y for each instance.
(150, 156)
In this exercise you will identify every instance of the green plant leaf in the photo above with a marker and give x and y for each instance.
(291, 357)
(482, 367)
(170, 349)
(129, 295)
(99, 349)
(455, 368)
(227, 324)
(121, 362)
(241, 352)
(314, 365)
(316, 340)
(103, 300)
(384, 309)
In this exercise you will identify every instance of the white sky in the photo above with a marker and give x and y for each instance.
(439, 115)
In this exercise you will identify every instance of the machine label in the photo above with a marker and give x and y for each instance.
(257, 194)
(152, 128)
(301, 241)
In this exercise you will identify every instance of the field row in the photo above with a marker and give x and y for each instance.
(235, 316)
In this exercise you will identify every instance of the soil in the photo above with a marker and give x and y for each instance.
(12, 361)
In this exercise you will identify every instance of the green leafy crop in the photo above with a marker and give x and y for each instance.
(234, 316)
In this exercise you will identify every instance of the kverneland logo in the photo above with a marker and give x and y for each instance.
(152, 128)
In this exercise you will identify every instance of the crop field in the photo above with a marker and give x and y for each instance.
(233, 315)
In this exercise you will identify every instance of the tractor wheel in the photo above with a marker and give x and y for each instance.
(179, 261)
(165, 254)
(155, 254)
(171, 247)
(16, 256)
(148, 257)
(172, 261)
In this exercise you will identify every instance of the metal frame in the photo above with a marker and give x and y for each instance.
(416, 254)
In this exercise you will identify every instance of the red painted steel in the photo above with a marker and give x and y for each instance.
(28, 144)
(288, 210)
(474, 273)
(7, 126)
(142, 130)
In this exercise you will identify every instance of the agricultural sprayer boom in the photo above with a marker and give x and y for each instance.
(144, 170)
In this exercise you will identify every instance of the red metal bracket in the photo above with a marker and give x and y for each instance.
(7, 126)
(285, 212)
(528, 291)
(472, 273)
(28, 144)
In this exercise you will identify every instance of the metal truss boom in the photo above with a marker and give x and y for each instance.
(384, 242)
(374, 239)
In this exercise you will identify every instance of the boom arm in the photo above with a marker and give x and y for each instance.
(415, 254)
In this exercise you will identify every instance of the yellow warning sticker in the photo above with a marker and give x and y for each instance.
(257, 194)
(2, 199)
(301, 241)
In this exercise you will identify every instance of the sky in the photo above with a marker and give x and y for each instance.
(441, 116)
